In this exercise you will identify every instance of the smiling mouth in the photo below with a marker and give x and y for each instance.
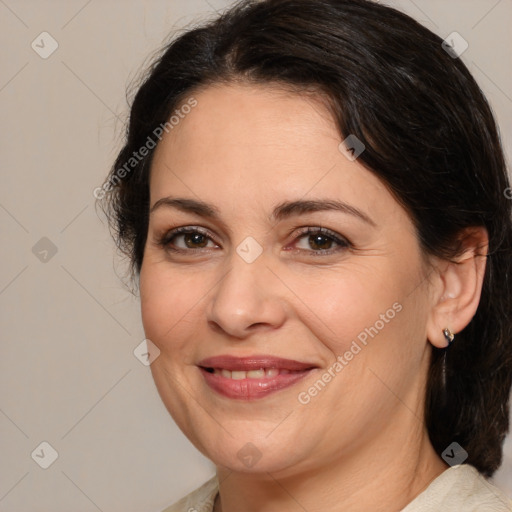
(253, 376)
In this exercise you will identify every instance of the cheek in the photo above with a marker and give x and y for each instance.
(340, 306)
(170, 303)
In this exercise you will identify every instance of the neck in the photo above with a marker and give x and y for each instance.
(385, 477)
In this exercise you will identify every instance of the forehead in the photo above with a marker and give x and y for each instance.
(264, 142)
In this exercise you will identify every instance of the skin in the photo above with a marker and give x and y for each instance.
(360, 443)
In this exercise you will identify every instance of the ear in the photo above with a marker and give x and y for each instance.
(457, 286)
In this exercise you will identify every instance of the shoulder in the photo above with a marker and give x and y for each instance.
(199, 500)
(458, 488)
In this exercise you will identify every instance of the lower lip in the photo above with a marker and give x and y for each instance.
(251, 389)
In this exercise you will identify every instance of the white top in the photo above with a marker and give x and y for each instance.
(459, 488)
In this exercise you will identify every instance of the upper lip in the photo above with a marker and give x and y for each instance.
(255, 362)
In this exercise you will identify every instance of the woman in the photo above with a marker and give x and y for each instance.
(313, 197)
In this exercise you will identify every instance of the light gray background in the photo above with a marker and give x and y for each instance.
(68, 374)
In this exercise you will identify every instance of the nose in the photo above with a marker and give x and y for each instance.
(248, 298)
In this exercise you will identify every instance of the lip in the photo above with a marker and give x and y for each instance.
(252, 388)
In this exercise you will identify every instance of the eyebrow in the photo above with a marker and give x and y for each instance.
(282, 211)
(289, 208)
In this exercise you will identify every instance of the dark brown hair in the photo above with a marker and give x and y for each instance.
(430, 137)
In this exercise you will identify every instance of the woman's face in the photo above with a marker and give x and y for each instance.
(254, 168)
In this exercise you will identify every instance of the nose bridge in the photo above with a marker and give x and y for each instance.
(246, 295)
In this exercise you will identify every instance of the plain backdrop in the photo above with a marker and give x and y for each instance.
(69, 327)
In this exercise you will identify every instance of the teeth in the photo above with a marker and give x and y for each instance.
(271, 372)
(251, 374)
(255, 374)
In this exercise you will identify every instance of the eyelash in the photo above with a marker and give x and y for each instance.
(343, 243)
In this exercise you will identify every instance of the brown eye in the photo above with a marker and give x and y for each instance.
(187, 239)
(321, 241)
(194, 240)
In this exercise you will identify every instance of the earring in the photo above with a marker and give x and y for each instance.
(448, 335)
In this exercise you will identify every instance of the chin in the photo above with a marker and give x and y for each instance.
(240, 454)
